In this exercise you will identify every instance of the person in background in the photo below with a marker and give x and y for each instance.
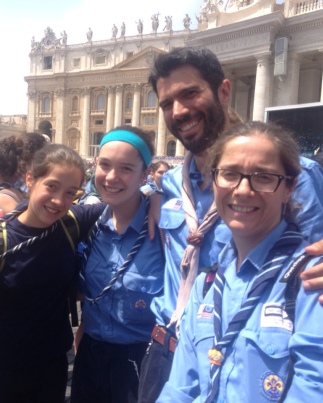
(240, 341)
(11, 150)
(157, 170)
(194, 95)
(36, 273)
(122, 272)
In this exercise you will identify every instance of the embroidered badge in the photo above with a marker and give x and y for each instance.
(205, 311)
(272, 386)
(177, 204)
(140, 305)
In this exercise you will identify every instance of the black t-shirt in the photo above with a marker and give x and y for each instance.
(34, 283)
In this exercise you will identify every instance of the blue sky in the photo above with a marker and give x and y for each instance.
(22, 19)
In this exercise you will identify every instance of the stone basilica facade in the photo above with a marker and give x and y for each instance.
(272, 54)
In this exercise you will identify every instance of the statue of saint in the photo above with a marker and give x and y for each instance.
(155, 22)
(187, 22)
(64, 38)
(89, 35)
(123, 29)
(169, 23)
(114, 31)
(140, 26)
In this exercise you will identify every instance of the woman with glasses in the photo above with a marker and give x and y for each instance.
(249, 333)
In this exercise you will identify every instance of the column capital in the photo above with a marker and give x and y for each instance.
(86, 91)
(32, 94)
(136, 86)
(119, 88)
(111, 89)
(60, 92)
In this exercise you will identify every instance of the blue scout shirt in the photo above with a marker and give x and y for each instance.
(123, 314)
(259, 356)
(307, 198)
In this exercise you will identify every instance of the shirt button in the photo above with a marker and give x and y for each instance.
(270, 349)
(143, 289)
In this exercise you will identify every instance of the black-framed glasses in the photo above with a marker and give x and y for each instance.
(258, 181)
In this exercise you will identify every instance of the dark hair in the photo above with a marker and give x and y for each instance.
(155, 165)
(144, 135)
(31, 142)
(55, 154)
(287, 147)
(203, 60)
(11, 149)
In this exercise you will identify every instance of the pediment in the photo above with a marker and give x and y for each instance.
(143, 59)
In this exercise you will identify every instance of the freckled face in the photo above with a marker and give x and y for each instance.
(247, 213)
(192, 112)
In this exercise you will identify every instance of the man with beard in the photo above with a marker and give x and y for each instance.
(194, 96)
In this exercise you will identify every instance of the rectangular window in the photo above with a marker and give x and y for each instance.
(100, 60)
(48, 61)
(76, 62)
(127, 121)
(129, 54)
(99, 122)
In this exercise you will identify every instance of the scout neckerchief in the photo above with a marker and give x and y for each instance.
(281, 251)
(134, 250)
(190, 261)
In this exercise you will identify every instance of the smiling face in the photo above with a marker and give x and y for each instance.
(51, 196)
(251, 215)
(119, 174)
(192, 112)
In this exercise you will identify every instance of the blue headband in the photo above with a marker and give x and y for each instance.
(131, 138)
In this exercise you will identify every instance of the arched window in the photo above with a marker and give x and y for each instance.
(171, 148)
(100, 102)
(151, 99)
(46, 105)
(129, 101)
(75, 104)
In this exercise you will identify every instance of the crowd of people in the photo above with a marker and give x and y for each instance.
(199, 283)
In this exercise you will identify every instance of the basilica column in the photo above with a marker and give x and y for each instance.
(60, 118)
(262, 88)
(31, 117)
(110, 108)
(135, 121)
(86, 93)
(161, 133)
(118, 106)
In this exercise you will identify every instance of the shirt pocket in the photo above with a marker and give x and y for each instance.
(204, 330)
(172, 215)
(273, 342)
(139, 291)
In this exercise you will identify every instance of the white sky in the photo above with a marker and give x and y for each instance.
(22, 19)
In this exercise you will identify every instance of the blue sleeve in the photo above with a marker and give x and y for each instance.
(307, 199)
(183, 384)
(306, 346)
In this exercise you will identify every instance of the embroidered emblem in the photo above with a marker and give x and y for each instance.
(272, 385)
(140, 305)
(177, 204)
(205, 311)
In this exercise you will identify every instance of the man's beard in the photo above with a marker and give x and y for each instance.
(214, 121)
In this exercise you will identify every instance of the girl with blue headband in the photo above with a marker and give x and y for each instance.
(123, 271)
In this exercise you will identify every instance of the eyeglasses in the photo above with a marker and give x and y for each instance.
(258, 181)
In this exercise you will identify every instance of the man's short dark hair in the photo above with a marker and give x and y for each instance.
(203, 60)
